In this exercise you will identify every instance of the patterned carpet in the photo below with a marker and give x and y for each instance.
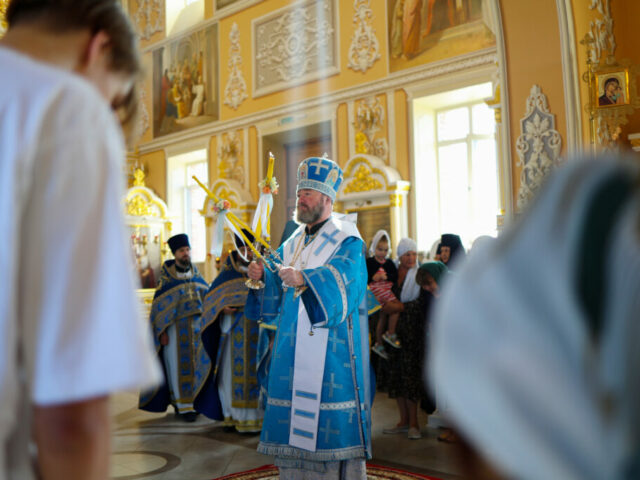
(374, 472)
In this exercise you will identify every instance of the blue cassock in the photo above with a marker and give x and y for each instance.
(229, 290)
(178, 301)
(335, 300)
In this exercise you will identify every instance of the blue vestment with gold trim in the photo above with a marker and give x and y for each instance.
(178, 302)
(334, 301)
(229, 290)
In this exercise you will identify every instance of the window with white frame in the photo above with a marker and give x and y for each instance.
(456, 166)
(186, 198)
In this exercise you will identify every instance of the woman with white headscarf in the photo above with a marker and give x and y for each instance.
(535, 342)
(404, 368)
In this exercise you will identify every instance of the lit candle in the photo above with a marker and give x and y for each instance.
(270, 168)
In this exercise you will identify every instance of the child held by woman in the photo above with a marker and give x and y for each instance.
(382, 277)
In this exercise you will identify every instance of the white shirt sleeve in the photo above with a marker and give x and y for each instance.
(80, 314)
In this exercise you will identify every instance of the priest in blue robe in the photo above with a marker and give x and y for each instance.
(317, 421)
(236, 337)
(177, 325)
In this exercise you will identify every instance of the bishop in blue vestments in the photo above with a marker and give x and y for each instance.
(317, 420)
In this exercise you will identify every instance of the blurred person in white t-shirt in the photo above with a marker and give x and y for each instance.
(71, 334)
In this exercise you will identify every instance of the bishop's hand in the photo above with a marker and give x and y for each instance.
(291, 277)
(256, 270)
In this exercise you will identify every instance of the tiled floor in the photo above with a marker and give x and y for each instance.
(162, 447)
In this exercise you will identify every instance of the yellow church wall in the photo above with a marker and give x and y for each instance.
(344, 79)
(155, 164)
(342, 116)
(255, 174)
(582, 15)
(533, 57)
(208, 9)
(394, 129)
(626, 15)
(213, 164)
(401, 125)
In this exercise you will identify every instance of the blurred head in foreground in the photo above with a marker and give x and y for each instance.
(535, 340)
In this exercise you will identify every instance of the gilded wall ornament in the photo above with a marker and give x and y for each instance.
(361, 176)
(236, 90)
(362, 181)
(3, 14)
(229, 153)
(140, 207)
(369, 120)
(148, 16)
(364, 49)
(395, 200)
(138, 177)
(538, 146)
(140, 201)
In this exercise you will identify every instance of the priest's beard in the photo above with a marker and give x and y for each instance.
(310, 216)
(184, 264)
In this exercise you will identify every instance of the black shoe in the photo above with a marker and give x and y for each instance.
(189, 416)
(228, 429)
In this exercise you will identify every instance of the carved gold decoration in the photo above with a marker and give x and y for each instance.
(140, 201)
(369, 120)
(369, 116)
(149, 228)
(240, 202)
(138, 178)
(3, 13)
(229, 195)
(362, 179)
(362, 143)
(494, 103)
(230, 152)
(139, 207)
(395, 200)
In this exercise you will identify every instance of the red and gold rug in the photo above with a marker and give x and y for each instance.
(374, 472)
